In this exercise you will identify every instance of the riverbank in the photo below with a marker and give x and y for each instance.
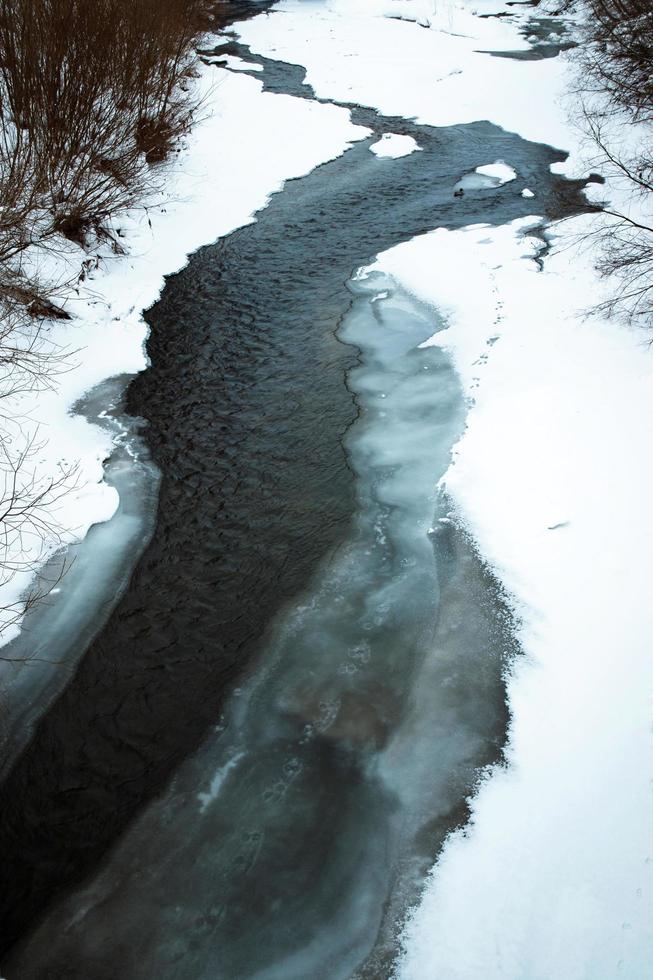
(556, 855)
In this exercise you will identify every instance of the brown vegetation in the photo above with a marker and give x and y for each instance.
(90, 93)
(92, 96)
(615, 92)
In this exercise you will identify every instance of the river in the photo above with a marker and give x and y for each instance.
(261, 752)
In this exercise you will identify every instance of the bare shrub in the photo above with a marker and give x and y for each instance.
(618, 52)
(615, 94)
(27, 524)
(625, 241)
(92, 96)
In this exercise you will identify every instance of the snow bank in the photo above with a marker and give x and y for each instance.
(377, 53)
(214, 186)
(554, 878)
(393, 145)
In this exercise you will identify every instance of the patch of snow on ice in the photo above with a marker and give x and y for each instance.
(527, 193)
(486, 177)
(238, 64)
(498, 171)
(393, 145)
(219, 778)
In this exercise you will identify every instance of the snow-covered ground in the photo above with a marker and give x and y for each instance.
(361, 51)
(553, 878)
(247, 143)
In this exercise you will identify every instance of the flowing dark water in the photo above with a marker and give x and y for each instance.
(281, 544)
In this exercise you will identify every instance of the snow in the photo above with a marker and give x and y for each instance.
(498, 171)
(358, 51)
(393, 145)
(554, 878)
(214, 186)
(487, 176)
(237, 64)
(527, 192)
(218, 780)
